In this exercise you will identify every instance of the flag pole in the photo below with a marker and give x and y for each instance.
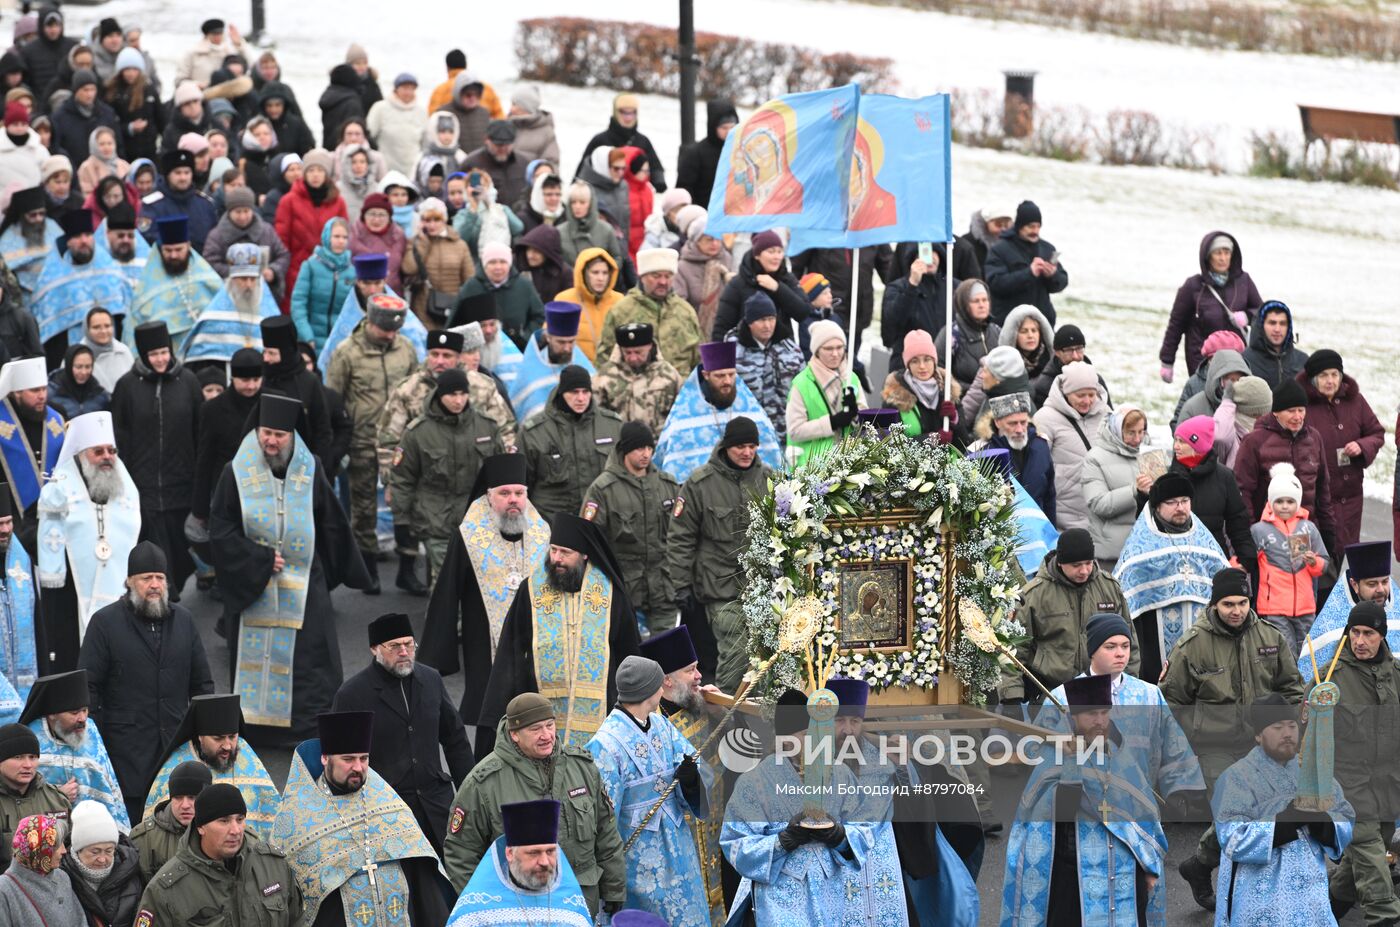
(948, 331)
(855, 304)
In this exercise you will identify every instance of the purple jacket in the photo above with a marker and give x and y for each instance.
(1197, 313)
(1346, 418)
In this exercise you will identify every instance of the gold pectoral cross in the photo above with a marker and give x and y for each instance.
(1104, 809)
(370, 867)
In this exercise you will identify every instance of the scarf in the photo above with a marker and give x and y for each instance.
(537, 201)
(1190, 461)
(928, 392)
(94, 877)
(78, 391)
(109, 163)
(319, 194)
(832, 382)
(36, 843)
(1218, 279)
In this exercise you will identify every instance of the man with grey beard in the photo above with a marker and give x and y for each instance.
(1030, 453)
(499, 541)
(413, 718)
(89, 520)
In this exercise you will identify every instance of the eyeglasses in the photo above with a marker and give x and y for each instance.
(103, 451)
(398, 647)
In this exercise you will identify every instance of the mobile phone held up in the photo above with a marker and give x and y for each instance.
(926, 252)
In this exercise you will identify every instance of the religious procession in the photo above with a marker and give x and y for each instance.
(763, 550)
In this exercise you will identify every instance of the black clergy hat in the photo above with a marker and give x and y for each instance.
(1090, 692)
(29, 199)
(77, 222)
(278, 412)
(121, 218)
(56, 693)
(1368, 560)
(190, 778)
(1271, 709)
(211, 716)
(479, 307)
(151, 336)
(851, 694)
(246, 363)
(280, 332)
(673, 649)
(790, 715)
(146, 557)
(570, 531)
(530, 823)
(389, 627)
(345, 732)
(503, 470)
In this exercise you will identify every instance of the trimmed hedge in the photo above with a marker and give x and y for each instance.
(642, 58)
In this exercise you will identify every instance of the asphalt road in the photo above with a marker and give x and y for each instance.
(354, 612)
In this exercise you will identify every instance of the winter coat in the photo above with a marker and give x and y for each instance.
(277, 188)
(1055, 613)
(508, 176)
(1035, 469)
(392, 242)
(156, 420)
(768, 370)
(441, 264)
(699, 161)
(256, 166)
(1286, 582)
(790, 300)
(1218, 505)
(19, 332)
(191, 203)
(20, 164)
(700, 280)
(615, 136)
(1345, 418)
(1202, 308)
(712, 524)
(1009, 277)
(518, 307)
(835, 265)
(534, 137)
(72, 128)
(200, 62)
(672, 321)
(1274, 365)
(595, 308)
(1220, 671)
(1110, 486)
(565, 453)
(43, 58)
(608, 195)
(257, 232)
(72, 400)
(177, 125)
(340, 102)
(578, 235)
(1222, 363)
(971, 340)
(635, 513)
(641, 201)
(443, 95)
(28, 899)
(1368, 709)
(194, 885)
(471, 123)
(1269, 444)
(292, 132)
(320, 290)
(908, 308)
(553, 276)
(115, 902)
(364, 372)
(156, 839)
(396, 128)
(300, 222)
(920, 420)
(435, 466)
(223, 422)
(135, 144)
(970, 249)
(486, 223)
(1044, 352)
(139, 693)
(93, 171)
(1070, 436)
(816, 394)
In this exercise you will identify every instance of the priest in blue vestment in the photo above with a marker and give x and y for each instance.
(72, 756)
(356, 849)
(1087, 847)
(27, 235)
(1367, 579)
(525, 879)
(281, 543)
(499, 355)
(546, 354)
(232, 320)
(117, 236)
(639, 753)
(76, 278)
(31, 439)
(19, 648)
(1273, 854)
(713, 395)
(568, 629)
(175, 287)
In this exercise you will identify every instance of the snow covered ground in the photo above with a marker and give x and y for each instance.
(1129, 236)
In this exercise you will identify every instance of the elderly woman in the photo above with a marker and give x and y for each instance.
(917, 391)
(1221, 297)
(34, 891)
(974, 332)
(1075, 409)
(825, 396)
(1351, 435)
(1115, 487)
(105, 873)
(1028, 331)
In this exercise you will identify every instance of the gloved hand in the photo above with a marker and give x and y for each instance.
(832, 837)
(1167, 373)
(949, 410)
(688, 773)
(794, 835)
(1241, 320)
(841, 419)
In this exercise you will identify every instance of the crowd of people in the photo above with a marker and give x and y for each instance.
(232, 355)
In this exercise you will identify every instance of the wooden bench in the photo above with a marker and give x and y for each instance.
(1328, 125)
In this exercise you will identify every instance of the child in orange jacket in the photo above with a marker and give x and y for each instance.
(1291, 558)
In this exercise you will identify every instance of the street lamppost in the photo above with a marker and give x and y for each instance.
(689, 64)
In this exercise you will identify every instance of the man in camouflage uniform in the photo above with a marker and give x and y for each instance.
(157, 838)
(636, 382)
(436, 464)
(219, 875)
(709, 522)
(23, 789)
(363, 369)
(567, 443)
(632, 502)
(672, 319)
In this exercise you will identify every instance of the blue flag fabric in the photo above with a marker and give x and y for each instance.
(900, 179)
(780, 166)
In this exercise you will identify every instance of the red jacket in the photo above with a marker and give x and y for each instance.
(640, 199)
(299, 225)
(1269, 444)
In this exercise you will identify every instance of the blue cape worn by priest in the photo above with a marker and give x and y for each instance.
(696, 421)
(538, 374)
(232, 320)
(1367, 574)
(23, 256)
(77, 755)
(173, 290)
(77, 276)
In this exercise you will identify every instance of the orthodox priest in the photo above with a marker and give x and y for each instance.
(72, 755)
(89, 522)
(355, 848)
(174, 289)
(1367, 575)
(570, 627)
(31, 437)
(19, 648)
(211, 732)
(281, 543)
(498, 541)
